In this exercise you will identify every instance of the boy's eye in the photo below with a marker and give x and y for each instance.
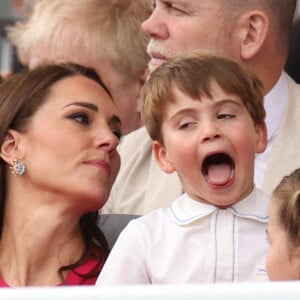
(186, 125)
(81, 118)
(225, 116)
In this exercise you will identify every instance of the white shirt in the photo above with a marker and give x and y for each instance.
(192, 242)
(275, 104)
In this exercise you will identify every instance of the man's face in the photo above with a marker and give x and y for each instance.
(176, 26)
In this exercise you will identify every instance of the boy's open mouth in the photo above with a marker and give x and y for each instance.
(218, 169)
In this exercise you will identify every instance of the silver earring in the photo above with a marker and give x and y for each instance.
(18, 167)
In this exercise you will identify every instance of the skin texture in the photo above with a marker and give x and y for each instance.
(208, 126)
(282, 261)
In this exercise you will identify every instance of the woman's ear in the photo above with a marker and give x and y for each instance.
(262, 137)
(161, 156)
(10, 146)
(254, 28)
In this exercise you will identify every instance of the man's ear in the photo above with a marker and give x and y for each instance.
(262, 137)
(254, 28)
(161, 156)
(10, 147)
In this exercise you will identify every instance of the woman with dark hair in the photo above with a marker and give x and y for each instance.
(58, 134)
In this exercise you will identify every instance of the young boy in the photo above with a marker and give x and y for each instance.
(205, 115)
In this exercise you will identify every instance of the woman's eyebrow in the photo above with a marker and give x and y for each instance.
(87, 105)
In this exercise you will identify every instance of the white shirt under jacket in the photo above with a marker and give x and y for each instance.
(192, 242)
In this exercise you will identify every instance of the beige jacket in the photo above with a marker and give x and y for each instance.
(285, 152)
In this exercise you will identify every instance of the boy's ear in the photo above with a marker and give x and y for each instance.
(10, 147)
(262, 137)
(254, 27)
(160, 154)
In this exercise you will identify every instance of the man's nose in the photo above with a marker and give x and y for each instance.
(155, 25)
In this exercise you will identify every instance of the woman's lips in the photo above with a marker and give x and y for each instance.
(101, 164)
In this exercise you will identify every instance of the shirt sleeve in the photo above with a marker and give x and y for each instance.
(126, 263)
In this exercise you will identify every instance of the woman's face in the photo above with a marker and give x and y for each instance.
(282, 261)
(70, 145)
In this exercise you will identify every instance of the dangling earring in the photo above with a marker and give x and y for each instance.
(18, 167)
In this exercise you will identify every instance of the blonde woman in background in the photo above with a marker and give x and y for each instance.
(103, 34)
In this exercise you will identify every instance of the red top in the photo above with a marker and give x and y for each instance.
(73, 278)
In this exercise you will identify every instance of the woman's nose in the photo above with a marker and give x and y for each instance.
(107, 139)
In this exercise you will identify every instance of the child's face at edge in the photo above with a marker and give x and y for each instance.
(282, 263)
(211, 144)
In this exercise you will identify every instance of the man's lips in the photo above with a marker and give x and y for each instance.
(101, 164)
(157, 59)
(157, 55)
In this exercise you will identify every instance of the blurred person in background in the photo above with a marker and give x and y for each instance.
(102, 34)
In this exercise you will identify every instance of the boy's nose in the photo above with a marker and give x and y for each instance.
(210, 132)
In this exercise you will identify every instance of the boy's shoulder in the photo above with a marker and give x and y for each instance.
(255, 206)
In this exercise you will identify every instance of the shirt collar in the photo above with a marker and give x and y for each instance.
(184, 210)
(274, 103)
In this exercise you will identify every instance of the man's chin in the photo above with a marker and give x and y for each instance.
(154, 63)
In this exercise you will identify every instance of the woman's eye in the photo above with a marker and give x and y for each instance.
(81, 118)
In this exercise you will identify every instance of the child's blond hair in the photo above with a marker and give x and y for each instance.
(193, 73)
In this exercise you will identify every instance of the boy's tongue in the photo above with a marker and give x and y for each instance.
(219, 174)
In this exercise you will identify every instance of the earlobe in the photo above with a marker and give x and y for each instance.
(255, 30)
(161, 157)
(262, 137)
(9, 147)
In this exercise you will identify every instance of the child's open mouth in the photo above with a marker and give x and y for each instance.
(218, 169)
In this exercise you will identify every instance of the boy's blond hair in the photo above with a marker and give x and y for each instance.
(193, 73)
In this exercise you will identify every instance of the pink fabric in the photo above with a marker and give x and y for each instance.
(73, 278)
